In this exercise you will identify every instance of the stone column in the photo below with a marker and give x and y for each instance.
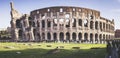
(58, 37)
(46, 36)
(88, 38)
(82, 36)
(16, 37)
(51, 33)
(93, 38)
(71, 36)
(77, 39)
(46, 22)
(31, 35)
(58, 25)
(70, 21)
(64, 36)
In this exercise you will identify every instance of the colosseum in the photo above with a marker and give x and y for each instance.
(61, 24)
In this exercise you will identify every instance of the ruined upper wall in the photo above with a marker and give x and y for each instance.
(66, 9)
(74, 10)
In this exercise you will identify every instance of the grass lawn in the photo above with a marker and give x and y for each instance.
(46, 50)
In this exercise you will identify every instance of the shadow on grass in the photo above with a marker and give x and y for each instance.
(63, 53)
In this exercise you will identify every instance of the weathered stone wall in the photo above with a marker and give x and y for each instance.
(65, 24)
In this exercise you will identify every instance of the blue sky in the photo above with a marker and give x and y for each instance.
(109, 8)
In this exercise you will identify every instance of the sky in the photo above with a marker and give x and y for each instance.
(109, 9)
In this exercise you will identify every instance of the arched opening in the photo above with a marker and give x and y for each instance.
(91, 37)
(91, 24)
(38, 24)
(43, 36)
(68, 23)
(55, 22)
(96, 37)
(80, 36)
(33, 24)
(43, 23)
(67, 36)
(38, 36)
(100, 37)
(74, 23)
(106, 37)
(48, 23)
(96, 25)
(86, 37)
(48, 36)
(80, 22)
(86, 23)
(61, 36)
(103, 37)
(30, 23)
(107, 26)
(101, 26)
(104, 26)
(55, 36)
(109, 37)
(18, 24)
(20, 34)
(28, 37)
(74, 36)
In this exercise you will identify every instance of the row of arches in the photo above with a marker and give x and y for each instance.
(73, 36)
(87, 37)
(93, 24)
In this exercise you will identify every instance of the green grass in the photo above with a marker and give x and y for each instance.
(40, 50)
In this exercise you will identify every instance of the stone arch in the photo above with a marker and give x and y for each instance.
(18, 24)
(33, 24)
(86, 23)
(100, 38)
(43, 36)
(96, 37)
(38, 24)
(48, 23)
(80, 22)
(30, 23)
(101, 26)
(61, 36)
(74, 22)
(55, 36)
(48, 36)
(67, 36)
(28, 37)
(107, 26)
(96, 25)
(38, 36)
(20, 33)
(80, 36)
(91, 37)
(91, 24)
(43, 23)
(86, 36)
(74, 36)
(107, 37)
(103, 37)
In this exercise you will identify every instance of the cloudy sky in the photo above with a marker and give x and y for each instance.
(109, 8)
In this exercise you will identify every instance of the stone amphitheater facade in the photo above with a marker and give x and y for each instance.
(61, 24)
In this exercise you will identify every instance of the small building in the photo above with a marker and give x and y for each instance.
(117, 33)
